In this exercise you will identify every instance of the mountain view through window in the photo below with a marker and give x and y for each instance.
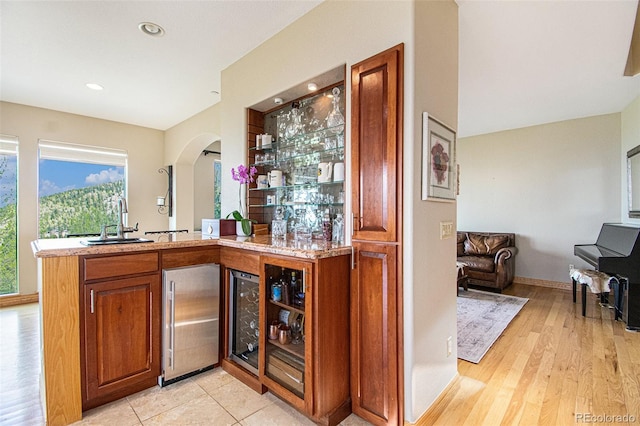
(8, 223)
(78, 198)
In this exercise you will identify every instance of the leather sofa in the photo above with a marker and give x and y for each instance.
(490, 258)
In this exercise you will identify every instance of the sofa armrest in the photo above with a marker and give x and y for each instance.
(505, 254)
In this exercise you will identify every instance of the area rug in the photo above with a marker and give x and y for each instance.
(482, 317)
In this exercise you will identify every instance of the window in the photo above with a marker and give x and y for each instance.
(8, 215)
(217, 188)
(78, 188)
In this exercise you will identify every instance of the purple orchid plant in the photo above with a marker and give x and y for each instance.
(243, 175)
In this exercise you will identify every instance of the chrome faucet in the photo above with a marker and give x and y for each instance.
(121, 229)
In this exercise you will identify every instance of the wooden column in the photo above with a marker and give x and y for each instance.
(60, 340)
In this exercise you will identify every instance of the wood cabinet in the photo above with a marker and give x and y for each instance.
(376, 285)
(312, 374)
(120, 326)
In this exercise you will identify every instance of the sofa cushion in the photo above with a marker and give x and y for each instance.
(484, 245)
(478, 263)
(461, 237)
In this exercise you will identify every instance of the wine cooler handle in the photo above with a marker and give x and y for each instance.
(172, 326)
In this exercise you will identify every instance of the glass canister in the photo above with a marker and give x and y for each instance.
(327, 226)
(278, 228)
(278, 225)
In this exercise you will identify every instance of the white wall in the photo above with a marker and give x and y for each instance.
(630, 139)
(553, 185)
(144, 146)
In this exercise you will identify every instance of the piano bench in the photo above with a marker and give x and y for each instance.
(598, 283)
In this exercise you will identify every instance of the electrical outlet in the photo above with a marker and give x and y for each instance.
(449, 346)
(571, 268)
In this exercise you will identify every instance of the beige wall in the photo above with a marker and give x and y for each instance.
(184, 143)
(430, 307)
(145, 148)
(630, 139)
(203, 186)
(553, 185)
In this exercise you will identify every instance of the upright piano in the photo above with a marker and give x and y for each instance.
(617, 253)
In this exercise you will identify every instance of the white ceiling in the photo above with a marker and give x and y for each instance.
(524, 63)
(51, 49)
(521, 62)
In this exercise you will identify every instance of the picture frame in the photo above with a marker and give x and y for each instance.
(439, 169)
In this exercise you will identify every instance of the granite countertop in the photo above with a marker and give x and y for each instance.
(314, 249)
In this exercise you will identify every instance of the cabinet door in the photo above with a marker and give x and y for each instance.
(121, 338)
(375, 355)
(287, 366)
(376, 141)
(376, 288)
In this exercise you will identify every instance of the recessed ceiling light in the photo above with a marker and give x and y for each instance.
(94, 86)
(151, 29)
(278, 101)
(312, 87)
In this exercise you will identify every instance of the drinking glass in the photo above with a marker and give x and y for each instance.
(296, 328)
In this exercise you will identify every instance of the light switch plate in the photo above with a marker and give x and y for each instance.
(446, 230)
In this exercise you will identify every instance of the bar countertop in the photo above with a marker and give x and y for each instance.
(314, 249)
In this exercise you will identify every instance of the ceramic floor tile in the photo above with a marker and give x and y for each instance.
(240, 400)
(115, 413)
(354, 420)
(202, 410)
(157, 400)
(213, 379)
(277, 414)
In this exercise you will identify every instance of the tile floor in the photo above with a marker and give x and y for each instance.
(211, 398)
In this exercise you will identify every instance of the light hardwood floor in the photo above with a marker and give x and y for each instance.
(19, 365)
(551, 366)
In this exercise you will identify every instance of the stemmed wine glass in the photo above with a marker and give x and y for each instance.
(296, 328)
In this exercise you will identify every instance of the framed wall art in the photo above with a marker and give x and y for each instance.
(439, 171)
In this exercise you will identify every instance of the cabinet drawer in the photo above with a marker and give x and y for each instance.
(242, 260)
(96, 268)
(287, 372)
(188, 257)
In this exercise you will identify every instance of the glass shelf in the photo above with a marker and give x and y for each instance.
(299, 186)
(303, 156)
(303, 139)
(298, 203)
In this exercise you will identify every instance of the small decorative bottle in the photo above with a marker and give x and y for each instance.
(338, 229)
(327, 226)
(286, 291)
(276, 291)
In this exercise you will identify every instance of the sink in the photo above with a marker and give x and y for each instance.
(111, 241)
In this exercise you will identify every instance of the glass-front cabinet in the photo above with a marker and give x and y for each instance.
(287, 292)
(300, 162)
(304, 333)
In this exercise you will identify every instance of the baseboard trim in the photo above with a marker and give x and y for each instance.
(424, 419)
(542, 283)
(18, 299)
